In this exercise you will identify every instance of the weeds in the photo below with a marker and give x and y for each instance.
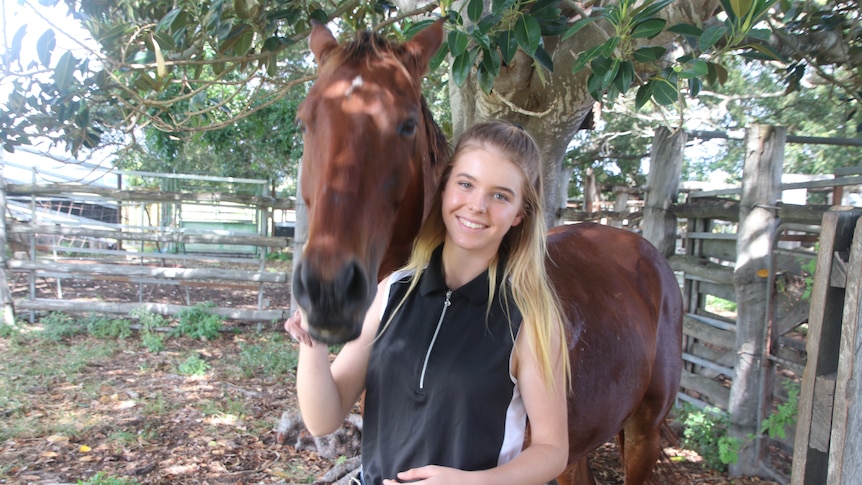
(193, 366)
(706, 432)
(198, 323)
(784, 414)
(57, 326)
(101, 327)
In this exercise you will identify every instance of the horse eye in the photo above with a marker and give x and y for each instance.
(407, 127)
(301, 125)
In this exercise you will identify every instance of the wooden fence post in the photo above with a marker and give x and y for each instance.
(761, 189)
(845, 447)
(816, 436)
(659, 225)
(8, 317)
(300, 233)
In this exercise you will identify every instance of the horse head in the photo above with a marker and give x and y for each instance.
(366, 150)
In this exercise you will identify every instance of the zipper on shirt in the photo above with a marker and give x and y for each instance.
(434, 339)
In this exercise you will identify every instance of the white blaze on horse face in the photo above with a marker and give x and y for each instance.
(356, 83)
(370, 98)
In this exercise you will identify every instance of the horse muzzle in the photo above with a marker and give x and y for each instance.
(335, 307)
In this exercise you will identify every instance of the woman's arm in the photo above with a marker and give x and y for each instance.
(546, 456)
(327, 393)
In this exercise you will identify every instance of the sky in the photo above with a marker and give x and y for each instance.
(38, 18)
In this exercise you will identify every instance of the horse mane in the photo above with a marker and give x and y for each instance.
(438, 146)
(368, 45)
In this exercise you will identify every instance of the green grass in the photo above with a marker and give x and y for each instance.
(273, 356)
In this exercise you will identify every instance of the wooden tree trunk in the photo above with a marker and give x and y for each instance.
(761, 188)
(659, 223)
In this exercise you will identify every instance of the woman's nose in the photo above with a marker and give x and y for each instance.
(477, 204)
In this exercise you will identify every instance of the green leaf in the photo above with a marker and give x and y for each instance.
(486, 79)
(605, 70)
(488, 22)
(458, 42)
(665, 92)
(491, 62)
(760, 34)
(649, 54)
(168, 20)
(543, 58)
(417, 27)
(577, 26)
(499, 6)
(528, 33)
(594, 87)
(115, 33)
(230, 43)
(647, 10)
(694, 87)
(585, 58)
(648, 28)
(609, 46)
(693, 69)
(14, 53)
(625, 76)
(717, 74)
(711, 35)
(474, 10)
(686, 29)
(166, 41)
(643, 95)
(64, 71)
(45, 46)
(461, 68)
(481, 38)
(244, 45)
(439, 57)
(508, 46)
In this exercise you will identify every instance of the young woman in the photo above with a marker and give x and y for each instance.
(464, 344)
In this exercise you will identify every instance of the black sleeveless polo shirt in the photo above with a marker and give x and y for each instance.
(439, 388)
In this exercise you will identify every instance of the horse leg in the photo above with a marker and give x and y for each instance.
(577, 473)
(640, 443)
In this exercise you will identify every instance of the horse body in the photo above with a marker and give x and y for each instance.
(625, 309)
(370, 163)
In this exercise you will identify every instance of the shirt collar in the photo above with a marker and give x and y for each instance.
(476, 290)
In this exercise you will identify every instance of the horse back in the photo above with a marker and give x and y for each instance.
(624, 310)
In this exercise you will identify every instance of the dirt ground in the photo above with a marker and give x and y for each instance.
(78, 405)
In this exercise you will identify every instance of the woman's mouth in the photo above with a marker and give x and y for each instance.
(470, 224)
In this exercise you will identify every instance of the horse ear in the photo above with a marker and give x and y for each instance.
(424, 45)
(321, 41)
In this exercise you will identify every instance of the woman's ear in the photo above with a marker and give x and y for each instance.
(518, 219)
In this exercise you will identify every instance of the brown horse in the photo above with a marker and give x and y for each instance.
(372, 157)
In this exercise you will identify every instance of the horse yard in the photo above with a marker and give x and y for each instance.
(77, 401)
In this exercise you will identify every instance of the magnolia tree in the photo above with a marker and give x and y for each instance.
(181, 67)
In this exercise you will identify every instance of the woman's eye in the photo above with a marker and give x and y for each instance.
(500, 196)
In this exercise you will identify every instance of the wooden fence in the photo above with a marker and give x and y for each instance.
(152, 245)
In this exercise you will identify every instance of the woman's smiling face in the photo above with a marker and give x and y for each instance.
(482, 200)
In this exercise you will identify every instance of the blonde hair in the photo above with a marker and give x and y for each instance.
(523, 247)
